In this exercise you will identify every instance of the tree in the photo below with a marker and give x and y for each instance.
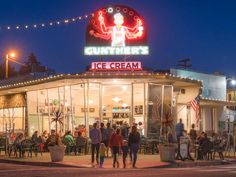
(32, 65)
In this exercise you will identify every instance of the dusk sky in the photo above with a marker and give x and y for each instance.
(203, 30)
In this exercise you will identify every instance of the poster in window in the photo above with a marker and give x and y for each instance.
(138, 109)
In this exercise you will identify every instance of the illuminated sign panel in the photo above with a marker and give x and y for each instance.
(132, 50)
(116, 30)
(119, 65)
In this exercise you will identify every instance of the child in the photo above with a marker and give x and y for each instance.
(125, 150)
(102, 152)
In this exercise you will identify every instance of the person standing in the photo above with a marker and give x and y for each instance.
(125, 151)
(179, 128)
(95, 136)
(193, 133)
(102, 152)
(109, 132)
(103, 134)
(115, 144)
(134, 143)
(193, 137)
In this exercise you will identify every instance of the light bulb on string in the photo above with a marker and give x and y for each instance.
(52, 23)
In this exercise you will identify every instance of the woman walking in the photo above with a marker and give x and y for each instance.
(115, 144)
(134, 142)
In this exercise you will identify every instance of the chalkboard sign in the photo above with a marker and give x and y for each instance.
(184, 142)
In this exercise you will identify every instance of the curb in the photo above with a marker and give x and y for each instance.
(170, 165)
(45, 164)
(204, 163)
(194, 164)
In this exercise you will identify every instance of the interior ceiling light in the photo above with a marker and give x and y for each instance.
(116, 99)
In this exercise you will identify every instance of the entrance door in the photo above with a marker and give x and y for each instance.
(116, 103)
(154, 110)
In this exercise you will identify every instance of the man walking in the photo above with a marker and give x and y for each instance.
(179, 128)
(95, 136)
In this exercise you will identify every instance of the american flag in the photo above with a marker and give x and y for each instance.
(195, 106)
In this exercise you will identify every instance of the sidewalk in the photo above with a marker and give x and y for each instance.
(83, 161)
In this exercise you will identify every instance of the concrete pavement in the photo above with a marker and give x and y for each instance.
(83, 161)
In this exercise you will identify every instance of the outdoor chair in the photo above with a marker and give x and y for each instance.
(70, 147)
(27, 146)
(219, 147)
(81, 145)
(3, 145)
(205, 151)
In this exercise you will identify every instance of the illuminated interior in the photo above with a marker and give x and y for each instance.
(141, 100)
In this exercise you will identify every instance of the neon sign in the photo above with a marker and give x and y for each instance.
(119, 65)
(116, 30)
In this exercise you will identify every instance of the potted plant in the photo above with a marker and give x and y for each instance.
(56, 148)
(166, 146)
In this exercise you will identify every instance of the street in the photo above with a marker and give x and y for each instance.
(10, 170)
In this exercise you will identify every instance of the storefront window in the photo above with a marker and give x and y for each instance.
(93, 103)
(168, 117)
(54, 105)
(154, 110)
(12, 118)
(138, 106)
(116, 103)
(38, 111)
(78, 107)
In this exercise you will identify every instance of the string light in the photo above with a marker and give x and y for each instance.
(43, 25)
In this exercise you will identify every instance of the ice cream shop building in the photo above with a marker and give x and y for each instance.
(116, 90)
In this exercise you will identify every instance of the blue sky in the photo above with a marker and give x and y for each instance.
(203, 30)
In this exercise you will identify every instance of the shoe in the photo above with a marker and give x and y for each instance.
(118, 165)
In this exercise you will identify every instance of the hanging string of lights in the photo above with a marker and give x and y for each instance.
(46, 24)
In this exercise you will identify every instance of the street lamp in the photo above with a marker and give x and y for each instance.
(10, 56)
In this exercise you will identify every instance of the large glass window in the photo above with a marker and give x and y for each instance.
(116, 103)
(138, 106)
(93, 103)
(78, 106)
(12, 118)
(154, 110)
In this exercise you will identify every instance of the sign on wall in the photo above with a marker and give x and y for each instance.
(116, 30)
(106, 66)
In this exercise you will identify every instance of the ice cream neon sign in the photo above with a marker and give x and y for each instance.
(116, 30)
(117, 65)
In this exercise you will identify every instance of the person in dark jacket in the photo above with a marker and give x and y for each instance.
(179, 128)
(134, 142)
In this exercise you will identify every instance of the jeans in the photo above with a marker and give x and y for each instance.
(102, 160)
(95, 147)
(124, 156)
(115, 152)
(134, 150)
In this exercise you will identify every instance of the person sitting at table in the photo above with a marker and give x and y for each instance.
(80, 143)
(17, 143)
(205, 147)
(68, 140)
(53, 139)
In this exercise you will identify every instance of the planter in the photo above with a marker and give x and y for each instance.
(57, 153)
(167, 152)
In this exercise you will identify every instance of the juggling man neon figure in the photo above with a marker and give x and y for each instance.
(118, 33)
